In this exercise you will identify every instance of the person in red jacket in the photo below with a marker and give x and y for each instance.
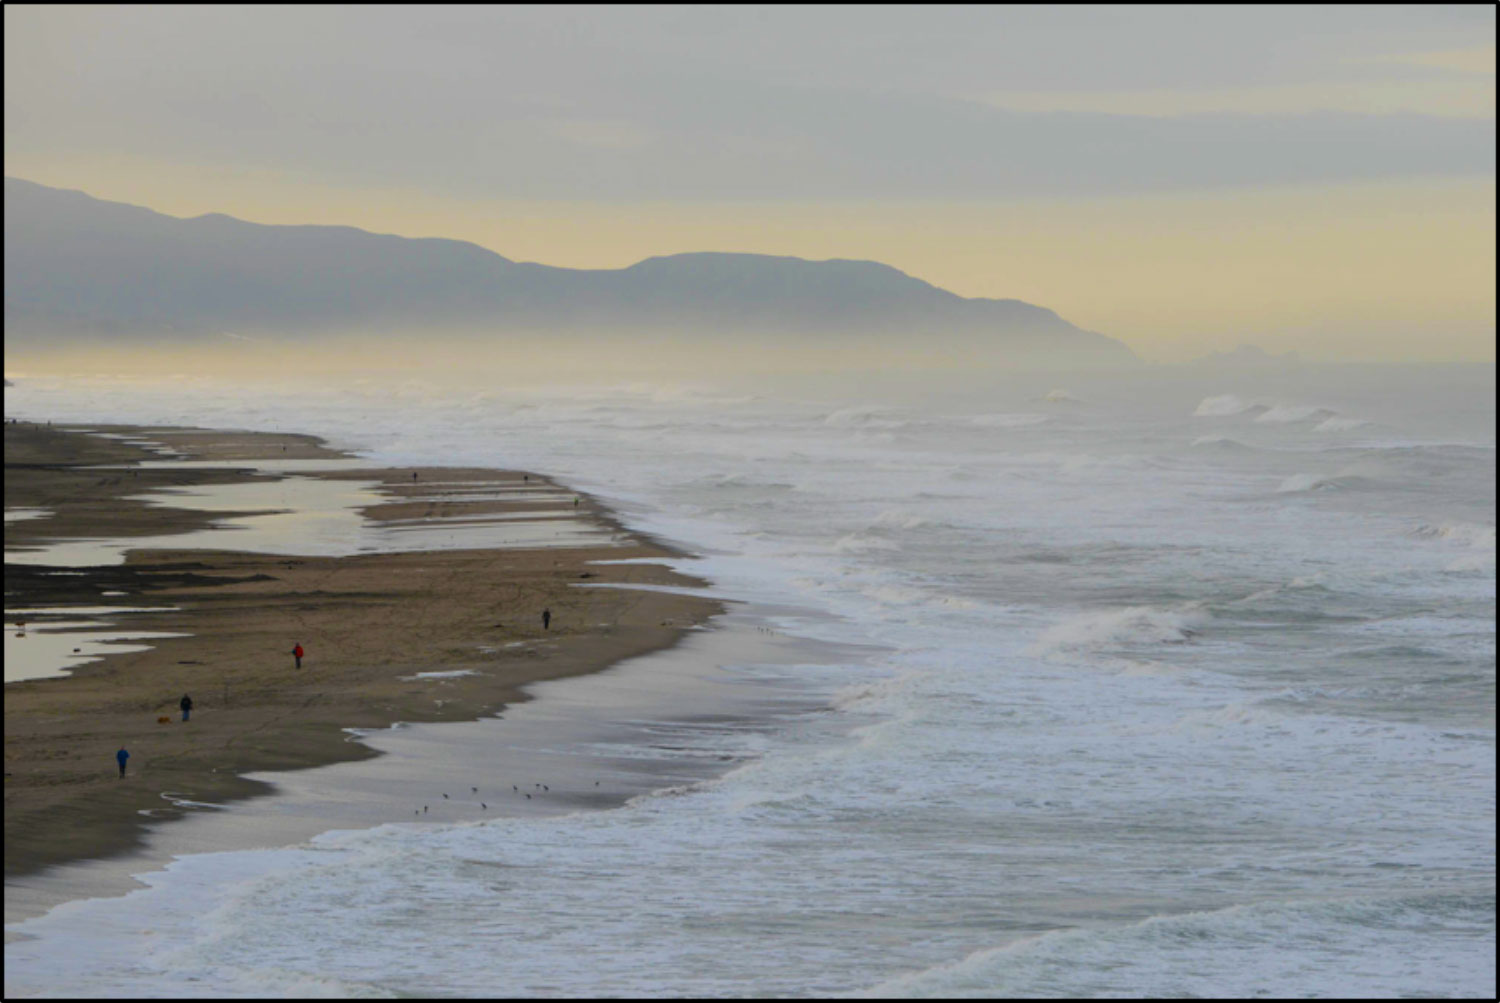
(297, 654)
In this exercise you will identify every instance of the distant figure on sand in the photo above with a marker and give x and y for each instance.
(120, 758)
(186, 703)
(546, 619)
(297, 654)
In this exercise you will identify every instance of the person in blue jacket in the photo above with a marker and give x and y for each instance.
(120, 758)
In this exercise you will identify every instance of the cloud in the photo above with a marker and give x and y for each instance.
(755, 103)
(1447, 97)
(1477, 60)
(601, 134)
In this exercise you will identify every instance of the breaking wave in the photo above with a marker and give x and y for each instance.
(1306, 482)
(1007, 420)
(1357, 475)
(897, 519)
(1130, 626)
(1340, 424)
(1477, 543)
(855, 543)
(1224, 405)
(1283, 414)
(1221, 442)
(863, 417)
(1460, 532)
(1333, 947)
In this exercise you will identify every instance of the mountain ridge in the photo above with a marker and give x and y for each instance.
(81, 268)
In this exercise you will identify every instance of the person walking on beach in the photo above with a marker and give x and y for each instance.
(120, 758)
(546, 619)
(186, 703)
(297, 654)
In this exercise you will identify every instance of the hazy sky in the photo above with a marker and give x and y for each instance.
(1183, 178)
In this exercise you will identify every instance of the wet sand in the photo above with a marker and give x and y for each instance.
(365, 621)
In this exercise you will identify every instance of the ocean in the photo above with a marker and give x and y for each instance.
(1176, 683)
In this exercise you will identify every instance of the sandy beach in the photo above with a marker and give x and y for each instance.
(368, 624)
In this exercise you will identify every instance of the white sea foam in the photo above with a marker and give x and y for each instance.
(1132, 625)
(1336, 424)
(1282, 414)
(901, 519)
(1007, 420)
(1220, 442)
(1215, 738)
(863, 417)
(1262, 949)
(1477, 543)
(1469, 534)
(1234, 715)
(1224, 405)
(1306, 482)
(854, 543)
(1351, 476)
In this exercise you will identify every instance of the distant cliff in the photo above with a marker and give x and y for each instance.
(78, 268)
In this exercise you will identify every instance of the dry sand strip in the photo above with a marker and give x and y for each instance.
(365, 621)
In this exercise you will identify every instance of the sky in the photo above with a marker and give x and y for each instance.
(1318, 179)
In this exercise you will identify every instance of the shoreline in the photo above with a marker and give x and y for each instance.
(369, 622)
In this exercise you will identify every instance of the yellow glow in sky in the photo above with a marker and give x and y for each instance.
(1391, 271)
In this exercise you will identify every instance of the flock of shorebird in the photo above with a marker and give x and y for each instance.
(540, 788)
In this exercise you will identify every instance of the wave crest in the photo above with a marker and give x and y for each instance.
(1007, 420)
(1223, 406)
(1132, 625)
(863, 417)
(1340, 424)
(1285, 414)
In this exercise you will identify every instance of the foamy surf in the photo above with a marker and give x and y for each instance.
(1112, 717)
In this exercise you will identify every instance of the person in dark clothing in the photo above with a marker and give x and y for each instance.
(120, 758)
(546, 619)
(186, 703)
(297, 654)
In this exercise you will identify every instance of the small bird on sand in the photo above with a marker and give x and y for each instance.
(474, 789)
(445, 797)
(483, 805)
(528, 797)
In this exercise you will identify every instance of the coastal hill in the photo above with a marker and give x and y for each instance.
(82, 269)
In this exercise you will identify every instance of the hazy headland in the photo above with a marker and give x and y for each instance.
(122, 286)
